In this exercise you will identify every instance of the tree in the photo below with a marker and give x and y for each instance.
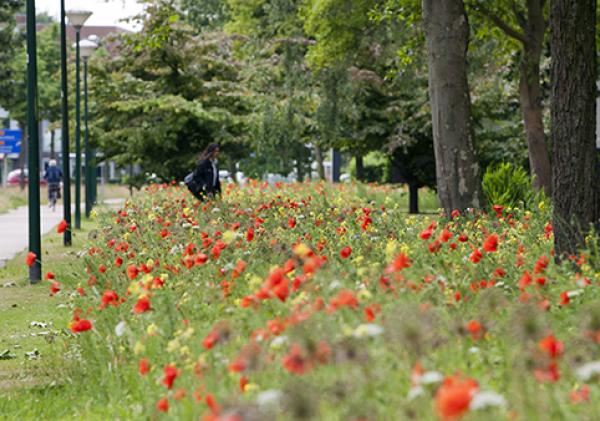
(524, 21)
(167, 95)
(575, 181)
(447, 34)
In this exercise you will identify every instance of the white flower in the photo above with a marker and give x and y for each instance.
(588, 370)
(473, 350)
(367, 330)
(574, 293)
(430, 377)
(335, 284)
(120, 328)
(485, 399)
(415, 392)
(278, 342)
(268, 398)
(216, 210)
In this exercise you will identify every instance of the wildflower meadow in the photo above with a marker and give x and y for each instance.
(328, 302)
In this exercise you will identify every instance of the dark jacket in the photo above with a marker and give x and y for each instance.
(53, 175)
(204, 176)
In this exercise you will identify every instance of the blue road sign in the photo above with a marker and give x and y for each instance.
(10, 141)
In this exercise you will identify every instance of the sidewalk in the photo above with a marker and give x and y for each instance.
(14, 232)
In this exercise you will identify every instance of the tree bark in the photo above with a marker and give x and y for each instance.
(319, 158)
(299, 170)
(360, 169)
(413, 198)
(531, 96)
(447, 34)
(575, 187)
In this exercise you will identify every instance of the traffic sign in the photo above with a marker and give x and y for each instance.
(10, 141)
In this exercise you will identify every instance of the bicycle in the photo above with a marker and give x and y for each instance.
(53, 195)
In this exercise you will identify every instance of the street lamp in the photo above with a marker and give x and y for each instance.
(35, 241)
(77, 18)
(66, 160)
(87, 48)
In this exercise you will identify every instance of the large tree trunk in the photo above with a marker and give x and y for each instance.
(447, 33)
(575, 187)
(360, 169)
(299, 170)
(531, 96)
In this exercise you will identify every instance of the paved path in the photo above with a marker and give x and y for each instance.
(14, 232)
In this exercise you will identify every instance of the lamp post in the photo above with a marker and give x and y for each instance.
(77, 18)
(87, 48)
(66, 160)
(35, 242)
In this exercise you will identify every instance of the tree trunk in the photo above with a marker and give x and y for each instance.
(232, 170)
(413, 198)
(52, 145)
(575, 187)
(319, 158)
(299, 170)
(447, 34)
(360, 169)
(531, 96)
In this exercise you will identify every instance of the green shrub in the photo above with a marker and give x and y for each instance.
(509, 185)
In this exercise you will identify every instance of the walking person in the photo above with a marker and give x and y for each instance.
(54, 177)
(204, 181)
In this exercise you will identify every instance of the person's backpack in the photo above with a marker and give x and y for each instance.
(191, 183)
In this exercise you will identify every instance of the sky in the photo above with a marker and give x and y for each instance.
(105, 12)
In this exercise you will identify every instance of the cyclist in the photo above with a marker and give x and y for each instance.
(54, 177)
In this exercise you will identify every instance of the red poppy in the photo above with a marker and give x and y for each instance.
(80, 325)
(580, 395)
(250, 234)
(243, 383)
(144, 367)
(295, 361)
(142, 305)
(30, 258)
(475, 256)
(541, 264)
(170, 374)
(476, 329)
(291, 222)
(62, 227)
(549, 373)
(345, 252)
(49, 275)
(553, 347)
(425, 234)
(118, 261)
(54, 288)
(162, 405)
(102, 269)
(109, 298)
(400, 262)
(454, 396)
(490, 244)
(132, 272)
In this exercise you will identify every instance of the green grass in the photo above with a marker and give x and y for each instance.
(33, 389)
(14, 197)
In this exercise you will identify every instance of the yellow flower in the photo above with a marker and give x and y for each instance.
(150, 263)
(301, 250)
(390, 249)
(173, 345)
(152, 330)
(184, 351)
(251, 387)
(229, 237)
(364, 294)
(139, 348)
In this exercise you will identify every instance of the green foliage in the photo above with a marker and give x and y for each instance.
(167, 95)
(508, 185)
(375, 168)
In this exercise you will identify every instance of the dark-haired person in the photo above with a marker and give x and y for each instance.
(206, 174)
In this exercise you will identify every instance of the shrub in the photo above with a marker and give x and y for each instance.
(509, 185)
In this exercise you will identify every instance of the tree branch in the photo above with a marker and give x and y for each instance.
(505, 27)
